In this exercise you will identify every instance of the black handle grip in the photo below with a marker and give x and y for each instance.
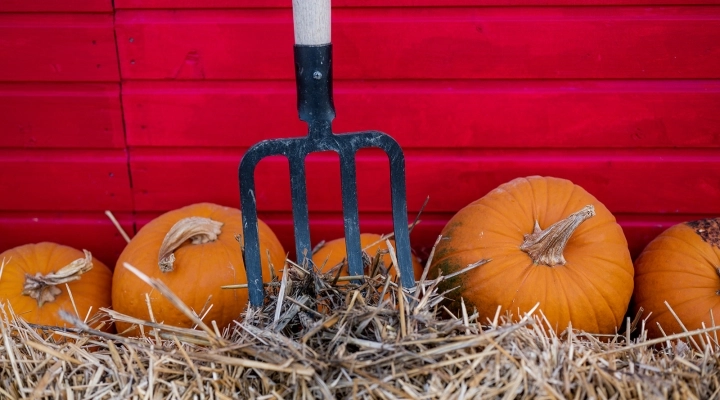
(313, 75)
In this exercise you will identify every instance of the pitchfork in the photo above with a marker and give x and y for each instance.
(313, 73)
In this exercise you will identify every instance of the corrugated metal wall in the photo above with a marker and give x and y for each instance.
(142, 106)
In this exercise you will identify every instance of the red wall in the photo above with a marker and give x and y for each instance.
(141, 106)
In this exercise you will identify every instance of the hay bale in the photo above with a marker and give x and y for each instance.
(375, 340)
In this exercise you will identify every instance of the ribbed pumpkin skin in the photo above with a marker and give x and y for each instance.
(91, 290)
(679, 267)
(199, 270)
(592, 290)
(333, 252)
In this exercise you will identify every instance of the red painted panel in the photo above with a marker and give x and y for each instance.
(434, 114)
(64, 180)
(387, 3)
(639, 229)
(55, 5)
(61, 115)
(57, 47)
(91, 231)
(652, 181)
(418, 43)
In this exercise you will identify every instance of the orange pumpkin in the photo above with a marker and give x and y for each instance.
(34, 281)
(334, 252)
(680, 266)
(194, 251)
(548, 241)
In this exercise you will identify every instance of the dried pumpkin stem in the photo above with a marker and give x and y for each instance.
(198, 230)
(43, 287)
(546, 247)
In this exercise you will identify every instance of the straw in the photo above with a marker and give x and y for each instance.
(358, 338)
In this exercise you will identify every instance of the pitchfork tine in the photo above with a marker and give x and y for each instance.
(399, 209)
(350, 212)
(300, 210)
(251, 241)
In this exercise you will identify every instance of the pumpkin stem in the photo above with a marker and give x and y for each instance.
(546, 246)
(43, 287)
(198, 229)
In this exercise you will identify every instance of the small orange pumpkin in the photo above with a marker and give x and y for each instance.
(680, 266)
(34, 281)
(334, 252)
(548, 241)
(194, 251)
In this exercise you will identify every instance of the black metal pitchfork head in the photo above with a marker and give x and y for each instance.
(313, 73)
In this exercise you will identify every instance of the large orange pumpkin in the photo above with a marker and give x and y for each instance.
(34, 278)
(680, 266)
(194, 251)
(334, 252)
(548, 241)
